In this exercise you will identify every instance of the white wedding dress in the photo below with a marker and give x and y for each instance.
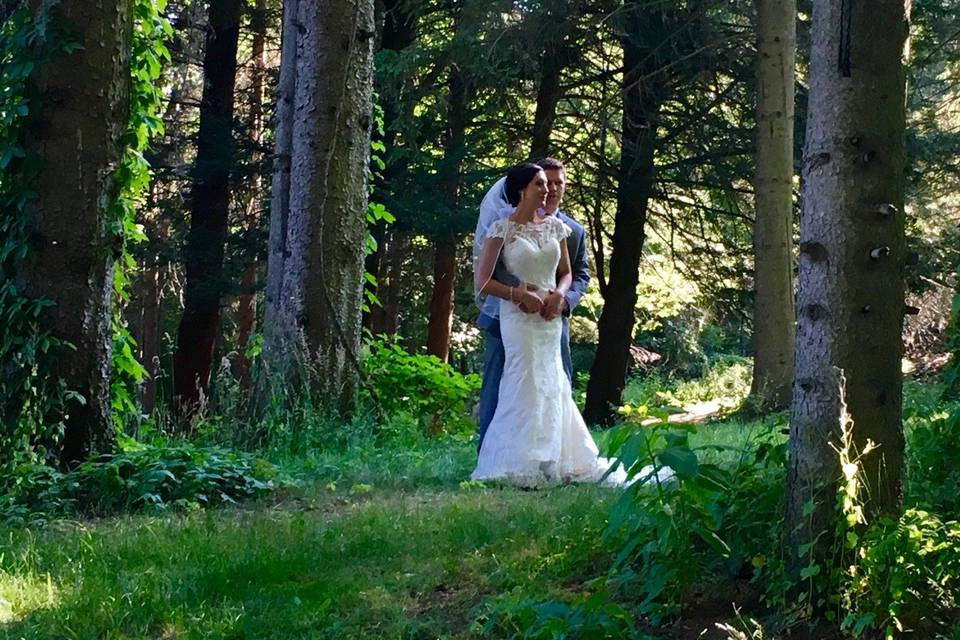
(537, 435)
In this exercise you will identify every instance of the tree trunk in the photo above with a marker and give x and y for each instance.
(773, 310)
(247, 300)
(548, 96)
(441, 302)
(851, 291)
(77, 131)
(209, 213)
(552, 61)
(640, 112)
(322, 272)
(150, 293)
(148, 340)
(275, 336)
(445, 244)
(386, 317)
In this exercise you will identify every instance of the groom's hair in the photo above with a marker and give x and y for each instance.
(551, 164)
(518, 177)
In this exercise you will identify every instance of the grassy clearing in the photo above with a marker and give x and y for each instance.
(371, 559)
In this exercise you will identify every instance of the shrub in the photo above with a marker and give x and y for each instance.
(422, 386)
(933, 455)
(185, 476)
(722, 517)
(907, 576)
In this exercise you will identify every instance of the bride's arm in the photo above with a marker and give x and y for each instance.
(553, 303)
(483, 278)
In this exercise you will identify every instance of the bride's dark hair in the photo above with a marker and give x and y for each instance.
(518, 177)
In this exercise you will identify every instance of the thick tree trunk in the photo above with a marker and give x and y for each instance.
(640, 111)
(851, 293)
(199, 326)
(77, 131)
(773, 310)
(322, 271)
(247, 300)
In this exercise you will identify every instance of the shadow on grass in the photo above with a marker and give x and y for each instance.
(382, 564)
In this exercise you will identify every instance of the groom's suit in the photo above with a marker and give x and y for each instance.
(493, 355)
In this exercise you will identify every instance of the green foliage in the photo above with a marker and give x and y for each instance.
(593, 617)
(907, 576)
(719, 515)
(725, 383)
(148, 55)
(421, 386)
(184, 475)
(933, 455)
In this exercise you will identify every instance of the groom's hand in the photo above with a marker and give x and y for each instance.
(553, 305)
(529, 302)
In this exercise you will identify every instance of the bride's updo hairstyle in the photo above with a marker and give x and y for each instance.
(518, 177)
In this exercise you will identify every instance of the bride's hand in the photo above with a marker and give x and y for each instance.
(552, 305)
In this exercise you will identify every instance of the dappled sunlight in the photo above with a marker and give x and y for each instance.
(24, 594)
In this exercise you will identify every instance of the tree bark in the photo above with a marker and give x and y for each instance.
(148, 340)
(209, 213)
(641, 105)
(773, 310)
(851, 291)
(77, 131)
(549, 91)
(386, 317)
(150, 293)
(247, 300)
(445, 243)
(322, 272)
(441, 302)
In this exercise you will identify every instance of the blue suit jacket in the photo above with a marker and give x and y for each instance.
(580, 270)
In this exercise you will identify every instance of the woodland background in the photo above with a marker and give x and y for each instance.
(236, 242)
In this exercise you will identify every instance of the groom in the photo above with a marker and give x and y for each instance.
(553, 305)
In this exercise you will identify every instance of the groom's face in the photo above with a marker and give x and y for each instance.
(556, 185)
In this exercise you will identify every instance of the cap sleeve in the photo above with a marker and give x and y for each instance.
(561, 229)
(498, 229)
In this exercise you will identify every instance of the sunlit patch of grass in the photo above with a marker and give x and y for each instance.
(22, 594)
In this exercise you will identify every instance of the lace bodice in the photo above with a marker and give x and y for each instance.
(531, 251)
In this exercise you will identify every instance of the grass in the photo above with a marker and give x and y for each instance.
(374, 541)
(370, 558)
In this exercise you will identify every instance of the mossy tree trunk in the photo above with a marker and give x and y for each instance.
(318, 225)
(77, 133)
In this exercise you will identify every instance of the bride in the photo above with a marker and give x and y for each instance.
(537, 435)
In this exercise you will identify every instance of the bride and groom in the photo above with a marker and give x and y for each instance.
(530, 270)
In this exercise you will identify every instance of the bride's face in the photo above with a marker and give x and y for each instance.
(536, 191)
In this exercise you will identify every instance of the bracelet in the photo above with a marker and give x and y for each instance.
(511, 294)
